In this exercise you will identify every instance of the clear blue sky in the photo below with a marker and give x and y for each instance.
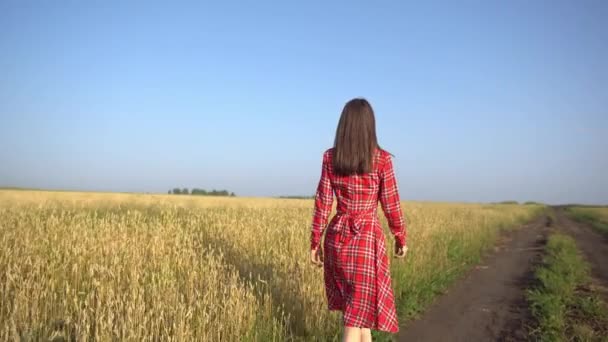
(477, 100)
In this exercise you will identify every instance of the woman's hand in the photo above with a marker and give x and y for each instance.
(316, 257)
(400, 251)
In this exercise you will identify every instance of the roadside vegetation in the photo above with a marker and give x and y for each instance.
(564, 303)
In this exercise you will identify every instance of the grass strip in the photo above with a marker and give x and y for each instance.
(563, 302)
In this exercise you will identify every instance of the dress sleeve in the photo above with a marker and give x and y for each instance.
(323, 201)
(389, 199)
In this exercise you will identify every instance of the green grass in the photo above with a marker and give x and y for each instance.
(563, 303)
(597, 217)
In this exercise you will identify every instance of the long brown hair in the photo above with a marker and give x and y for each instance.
(356, 142)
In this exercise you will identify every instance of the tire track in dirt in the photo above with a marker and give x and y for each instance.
(488, 303)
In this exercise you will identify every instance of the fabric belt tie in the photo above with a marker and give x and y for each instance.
(352, 221)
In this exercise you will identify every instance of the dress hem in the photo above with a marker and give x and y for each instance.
(372, 328)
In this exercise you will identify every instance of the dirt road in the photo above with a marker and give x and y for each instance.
(488, 304)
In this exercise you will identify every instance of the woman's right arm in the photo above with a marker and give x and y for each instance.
(323, 203)
(391, 205)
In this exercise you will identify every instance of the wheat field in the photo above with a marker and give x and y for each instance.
(140, 267)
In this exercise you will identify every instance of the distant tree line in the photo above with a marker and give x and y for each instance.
(200, 192)
(516, 202)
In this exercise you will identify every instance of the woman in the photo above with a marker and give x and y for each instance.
(356, 269)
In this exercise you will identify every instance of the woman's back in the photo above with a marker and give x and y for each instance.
(358, 192)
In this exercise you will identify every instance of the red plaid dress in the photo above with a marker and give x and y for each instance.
(356, 269)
